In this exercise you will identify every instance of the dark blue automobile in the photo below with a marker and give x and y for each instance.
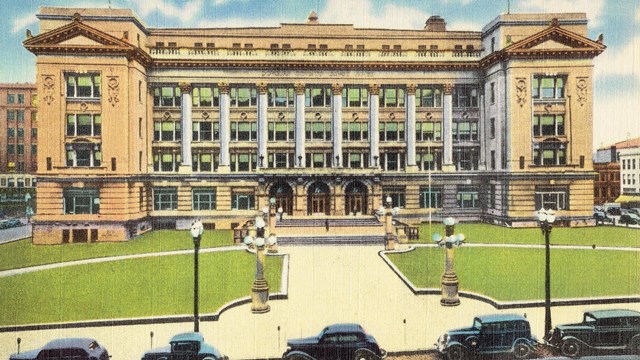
(187, 346)
(336, 342)
(66, 349)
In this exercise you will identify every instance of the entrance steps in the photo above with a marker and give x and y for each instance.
(332, 240)
(333, 230)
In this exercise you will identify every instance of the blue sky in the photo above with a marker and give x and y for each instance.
(617, 74)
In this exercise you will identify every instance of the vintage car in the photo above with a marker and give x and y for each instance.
(66, 349)
(335, 342)
(490, 334)
(599, 330)
(187, 346)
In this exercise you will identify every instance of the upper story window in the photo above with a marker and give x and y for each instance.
(355, 96)
(281, 96)
(281, 131)
(548, 125)
(317, 96)
(548, 87)
(428, 131)
(243, 95)
(83, 154)
(83, 85)
(11, 98)
(81, 201)
(355, 131)
(465, 130)
(166, 131)
(429, 96)
(84, 125)
(20, 115)
(244, 131)
(205, 131)
(205, 96)
(166, 96)
(317, 130)
(391, 131)
(20, 98)
(392, 96)
(465, 96)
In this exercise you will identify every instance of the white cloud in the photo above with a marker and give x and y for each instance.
(464, 25)
(236, 22)
(185, 13)
(22, 22)
(593, 8)
(363, 14)
(622, 60)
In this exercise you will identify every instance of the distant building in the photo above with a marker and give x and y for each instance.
(607, 183)
(154, 127)
(628, 154)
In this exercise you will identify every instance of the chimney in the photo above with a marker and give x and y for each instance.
(435, 23)
(313, 18)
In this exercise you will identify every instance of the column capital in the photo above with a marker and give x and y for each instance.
(336, 89)
(223, 87)
(374, 89)
(448, 88)
(262, 88)
(411, 89)
(185, 87)
(299, 88)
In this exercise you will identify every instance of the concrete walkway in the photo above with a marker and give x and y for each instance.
(326, 285)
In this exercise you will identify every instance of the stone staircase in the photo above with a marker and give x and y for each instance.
(332, 240)
(330, 230)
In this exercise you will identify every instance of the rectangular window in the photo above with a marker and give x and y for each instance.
(205, 131)
(466, 158)
(548, 125)
(397, 194)
(280, 160)
(465, 96)
(243, 201)
(83, 154)
(243, 162)
(392, 131)
(317, 96)
(550, 153)
(552, 197)
(11, 98)
(84, 125)
(83, 85)
(548, 87)
(428, 131)
(11, 149)
(492, 93)
(318, 131)
(204, 198)
(429, 96)
(281, 131)
(20, 149)
(81, 201)
(355, 160)
(34, 149)
(356, 96)
(166, 162)
(467, 197)
(392, 161)
(430, 197)
(465, 130)
(243, 96)
(205, 96)
(492, 129)
(318, 160)
(11, 115)
(391, 96)
(165, 198)
(20, 115)
(11, 133)
(281, 96)
(169, 96)
(244, 131)
(429, 159)
(166, 131)
(355, 131)
(205, 162)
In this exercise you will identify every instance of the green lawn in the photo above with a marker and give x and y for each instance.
(22, 253)
(508, 274)
(486, 233)
(130, 288)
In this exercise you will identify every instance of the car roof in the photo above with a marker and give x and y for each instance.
(82, 343)
(188, 336)
(500, 317)
(341, 328)
(603, 314)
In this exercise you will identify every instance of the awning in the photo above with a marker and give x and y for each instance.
(628, 198)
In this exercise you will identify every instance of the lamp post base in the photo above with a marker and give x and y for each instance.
(450, 290)
(260, 297)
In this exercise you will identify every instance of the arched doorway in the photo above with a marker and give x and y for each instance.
(355, 198)
(318, 199)
(283, 194)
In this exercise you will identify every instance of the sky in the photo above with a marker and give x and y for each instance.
(617, 70)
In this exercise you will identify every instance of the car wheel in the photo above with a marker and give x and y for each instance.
(456, 352)
(364, 354)
(296, 357)
(521, 351)
(570, 348)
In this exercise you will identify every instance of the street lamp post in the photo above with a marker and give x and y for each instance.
(196, 233)
(449, 280)
(260, 288)
(389, 238)
(546, 219)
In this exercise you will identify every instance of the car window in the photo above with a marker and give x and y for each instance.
(330, 339)
(477, 324)
(589, 319)
(185, 346)
(348, 338)
(609, 322)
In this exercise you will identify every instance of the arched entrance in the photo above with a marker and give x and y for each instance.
(318, 199)
(355, 198)
(283, 194)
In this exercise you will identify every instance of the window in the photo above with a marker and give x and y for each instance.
(355, 131)
(549, 153)
(21, 133)
(83, 154)
(20, 98)
(20, 115)
(317, 96)
(11, 115)
(205, 131)
(493, 159)
(392, 96)
(465, 130)
(396, 193)
(281, 160)
(205, 162)
(467, 197)
(205, 96)
(493, 194)
(203, 198)
(548, 125)
(34, 149)
(281, 131)
(11, 149)
(81, 201)
(429, 159)
(281, 96)
(465, 96)
(355, 160)
(466, 158)
(548, 87)
(243, 201)
(84, 125)
(166, 162)
(243, 162)
(11, 98)
(391, 131)
(167, 96)
(83, 85)
(34, 133)
(317, 131)
(20, 149)
(492, 127)
(166, 131)
(244, 131)
(165, 198)
(392, 161)
(430, 197)
(318, 160)
(429, 96)
(552, 197)
(356, 96)
(492, 93)
(243, 96)
(11, 132)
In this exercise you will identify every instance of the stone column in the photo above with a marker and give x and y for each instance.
(411, 128)
(336, 111)
(299, 125)
(186, 123)
(225, 128)
(262, 125)
(374, 136)
(447, 128)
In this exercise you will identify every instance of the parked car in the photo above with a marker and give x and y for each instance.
(10, 223)
(630, 219)
(186, 346)
(490, 334)
(599, 330)
(336, 342)
(601, 216)
(69, 348)
(614, 211)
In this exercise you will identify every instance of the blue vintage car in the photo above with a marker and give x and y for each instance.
(66, 349)
(490, 334)
(187, 346)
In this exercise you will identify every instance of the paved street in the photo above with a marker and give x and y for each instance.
(16, 233)
(326, 285)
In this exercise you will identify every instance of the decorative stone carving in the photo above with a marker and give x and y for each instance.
(298, 88)
(355, 116)
(113, 87)
(521, 91)
(374, 89)
(48, 84)
(411, 89)
(223, 87)
(392, 116)
(581, 91)
(185, 87)
(262, 88)
(448, 89)
(336, 89)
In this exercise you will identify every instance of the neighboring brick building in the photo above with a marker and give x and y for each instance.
(607, 184)
(151, 127)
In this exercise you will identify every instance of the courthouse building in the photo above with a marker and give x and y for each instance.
(147, 128)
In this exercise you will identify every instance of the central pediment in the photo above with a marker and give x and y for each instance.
(80, 40)
(75, 34)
